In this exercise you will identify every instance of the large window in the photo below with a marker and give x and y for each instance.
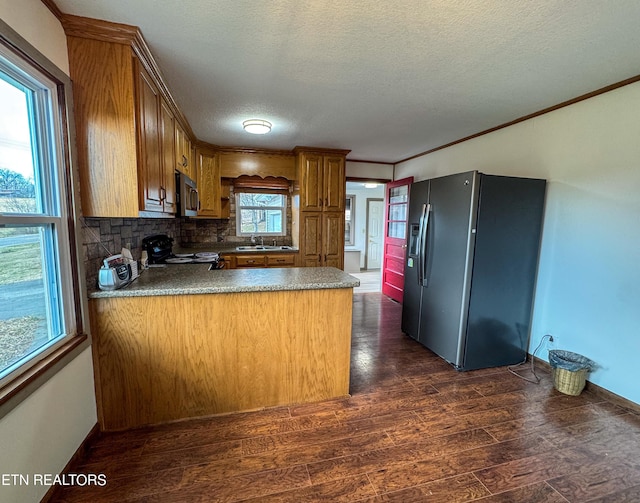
(261, 214)
(37, 291)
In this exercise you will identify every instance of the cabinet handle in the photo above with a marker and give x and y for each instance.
(319, 257)
(185, 161)
(280, 260)
(326, 201)
(163, 193)
(250, 261)
(319, 201)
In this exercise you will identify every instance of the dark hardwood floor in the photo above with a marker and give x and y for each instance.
(413, 430)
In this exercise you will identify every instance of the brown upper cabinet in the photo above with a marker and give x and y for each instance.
(125, 122)
(184, 153)
(156, 146)
(322, 181)
(209, 183)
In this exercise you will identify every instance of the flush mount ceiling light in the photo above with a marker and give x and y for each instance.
(256, 126)
(370, 185)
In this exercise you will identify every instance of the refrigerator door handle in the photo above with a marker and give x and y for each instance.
(422, 243)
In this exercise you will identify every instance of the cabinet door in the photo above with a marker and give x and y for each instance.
(334, 183)
(168, 148)
(149, 160)
(311, 239)
(183, 152)
(333, 239)
(312, 197)
(208, 180)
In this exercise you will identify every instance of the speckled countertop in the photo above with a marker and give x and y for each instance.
(229, 248)
(192, 279)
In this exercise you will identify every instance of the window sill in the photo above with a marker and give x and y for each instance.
(14, 392)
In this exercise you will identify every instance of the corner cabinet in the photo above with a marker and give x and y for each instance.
(209, 184)
(321, 174)
(125, 122)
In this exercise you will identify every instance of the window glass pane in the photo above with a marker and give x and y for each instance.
(17, 173)
(397, 230)
(247, 199)
(29, 310)
(261, 221)
(399, 194)
(398, 212)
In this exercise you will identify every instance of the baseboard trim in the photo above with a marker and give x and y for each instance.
(76, 459)
(598, 391)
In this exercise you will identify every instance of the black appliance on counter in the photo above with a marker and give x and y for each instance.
(159, 251)
(158, 248)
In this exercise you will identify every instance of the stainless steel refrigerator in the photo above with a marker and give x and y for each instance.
(471, 266)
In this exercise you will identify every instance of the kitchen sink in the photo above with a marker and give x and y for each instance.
(262, 248)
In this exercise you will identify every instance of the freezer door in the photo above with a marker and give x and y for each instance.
(412, 296)
(448, 258)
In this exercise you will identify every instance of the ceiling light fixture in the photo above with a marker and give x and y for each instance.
(370, 185)
(256, 126)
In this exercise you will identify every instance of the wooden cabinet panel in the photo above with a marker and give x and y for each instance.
(164, 358)
(333, 239)
(334, 183)
(208, 180)
(104, 112)
(311, 238)
(312, 195)
(250, 261)
(168, 147)
(323, 239)
(149, 162)
(264, 260)
(281, 260)
(184, 162)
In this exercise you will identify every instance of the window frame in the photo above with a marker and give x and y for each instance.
(240, 207)
(352, 220)
(25, 379)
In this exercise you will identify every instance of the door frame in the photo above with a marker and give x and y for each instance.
(366, 248)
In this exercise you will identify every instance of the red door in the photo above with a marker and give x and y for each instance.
(395, 237)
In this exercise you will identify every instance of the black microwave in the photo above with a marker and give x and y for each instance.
(187, 196)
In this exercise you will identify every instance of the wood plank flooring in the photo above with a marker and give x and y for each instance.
(413, 430)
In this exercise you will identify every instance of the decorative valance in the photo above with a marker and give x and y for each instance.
(257, 184)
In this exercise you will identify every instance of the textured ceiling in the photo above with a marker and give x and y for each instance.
(387, 80)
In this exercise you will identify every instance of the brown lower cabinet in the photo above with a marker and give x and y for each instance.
(242, 261)
(322, 244)
(164, 358)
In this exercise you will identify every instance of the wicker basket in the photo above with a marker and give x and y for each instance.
(570, 382)
(569, 371)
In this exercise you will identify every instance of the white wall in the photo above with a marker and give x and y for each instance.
(369, 170)
(588, 288)
(41, 434)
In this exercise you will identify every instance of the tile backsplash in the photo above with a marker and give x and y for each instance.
(102, 237)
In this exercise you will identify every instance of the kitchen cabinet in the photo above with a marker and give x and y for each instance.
(321, 175)
(209, 184)
(125, 123)
(156, 147)
(322, 244)
(184, 152)
(322, 181)
(251, 260)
